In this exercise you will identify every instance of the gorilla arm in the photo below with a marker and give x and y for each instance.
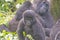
(20, 30)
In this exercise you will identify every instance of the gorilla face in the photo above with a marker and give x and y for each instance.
(28, 24)
(43, 7)
(29, 19)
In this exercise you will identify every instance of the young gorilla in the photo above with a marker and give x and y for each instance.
(55, 32)
(14, 22)
(31, 25)
(44, 11)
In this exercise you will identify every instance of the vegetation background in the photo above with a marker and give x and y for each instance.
(55, 9)
(7, 12)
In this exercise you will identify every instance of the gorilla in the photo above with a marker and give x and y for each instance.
(43, 10)
(31, 25)
(55, 32)
(14, 22)
(25, 6)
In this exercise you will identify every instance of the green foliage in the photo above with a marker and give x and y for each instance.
(9, 5)
(28, 35)
(5, 6)
(5, 18)
(8, 10)
(55, 9)
(20, 1)
(4, 35)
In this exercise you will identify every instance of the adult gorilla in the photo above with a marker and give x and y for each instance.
(43, 9)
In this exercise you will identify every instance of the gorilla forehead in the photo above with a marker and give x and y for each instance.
(29, 13)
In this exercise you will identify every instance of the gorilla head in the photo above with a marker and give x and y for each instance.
(29, 19)
(42, 7)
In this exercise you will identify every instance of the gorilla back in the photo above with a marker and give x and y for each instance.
(25, 6)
